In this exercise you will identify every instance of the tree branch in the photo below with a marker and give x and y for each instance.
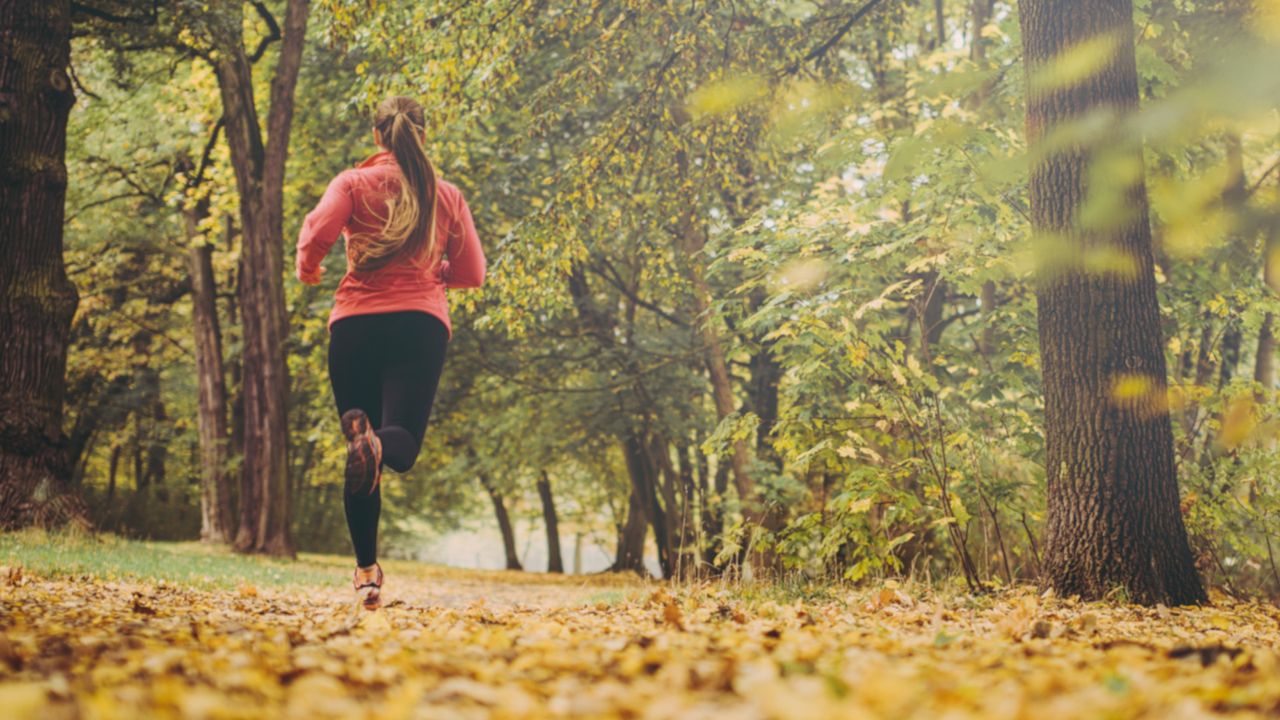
(830, 42)
(207, 155)
(272, 36)
(1261, 179)
(93, 12)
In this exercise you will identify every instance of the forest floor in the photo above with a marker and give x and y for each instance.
(99, 628)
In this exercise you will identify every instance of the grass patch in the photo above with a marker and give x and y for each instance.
(108, 557)
(194, 564)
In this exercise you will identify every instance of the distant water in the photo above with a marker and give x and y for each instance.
(479, 545)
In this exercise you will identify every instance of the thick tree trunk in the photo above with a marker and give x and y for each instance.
(215, 480)
(37, 301)
(1113, 508)
(259, 170)
(555, 563)
(504, 524)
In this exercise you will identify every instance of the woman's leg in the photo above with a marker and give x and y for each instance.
(410, 376)
(356, 376)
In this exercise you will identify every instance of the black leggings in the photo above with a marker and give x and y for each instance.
(387, 365)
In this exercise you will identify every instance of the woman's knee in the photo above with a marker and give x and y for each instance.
(400, 465)
(399, 448)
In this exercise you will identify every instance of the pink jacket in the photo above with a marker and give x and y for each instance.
(355, 203)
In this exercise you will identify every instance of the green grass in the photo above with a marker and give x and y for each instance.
(193, 564)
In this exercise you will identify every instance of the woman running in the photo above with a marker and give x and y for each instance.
(409, 235)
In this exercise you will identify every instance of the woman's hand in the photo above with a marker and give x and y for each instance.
(311, 278)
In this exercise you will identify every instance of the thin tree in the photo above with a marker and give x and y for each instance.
(1113, 521)
(504, 523)
(555, 563)
(37, 301)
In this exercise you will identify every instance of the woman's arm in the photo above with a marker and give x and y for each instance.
(321, 229)
(466, 264)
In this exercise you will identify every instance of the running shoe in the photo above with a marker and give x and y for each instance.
(369, 587)
(364, 453)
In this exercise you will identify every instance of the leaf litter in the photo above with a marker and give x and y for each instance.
(86, 648)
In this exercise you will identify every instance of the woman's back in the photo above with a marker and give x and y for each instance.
(357, 203)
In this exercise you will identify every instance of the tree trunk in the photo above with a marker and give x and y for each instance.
(1264, 362)
(1234, 197)
(158, 445)
(756, 517)
(555, 563)
(504, 524)
(765, 375)
(1113, 517)
(713, 514)
(629, 556)
(929, 308)
(644, 481)
(940, 23)
(215, 480)
(667, 484)
(37, 301)
(113, 466)
(259, 170)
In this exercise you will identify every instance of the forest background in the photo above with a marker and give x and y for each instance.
(761, 274)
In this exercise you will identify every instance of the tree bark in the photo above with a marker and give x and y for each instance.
(1113, 517)
(37, 301)
(215, 480)
(259, 171)
(555, 563)
(504, 524)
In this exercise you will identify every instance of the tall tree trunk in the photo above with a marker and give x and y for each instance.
(1113, 508)
(1264, 362)
(504, 524)
(555, 563)
(37, 301)
(259, 170)
(215, 480)
(757, 517)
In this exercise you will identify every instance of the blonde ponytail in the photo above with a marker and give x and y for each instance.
(409, 229)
